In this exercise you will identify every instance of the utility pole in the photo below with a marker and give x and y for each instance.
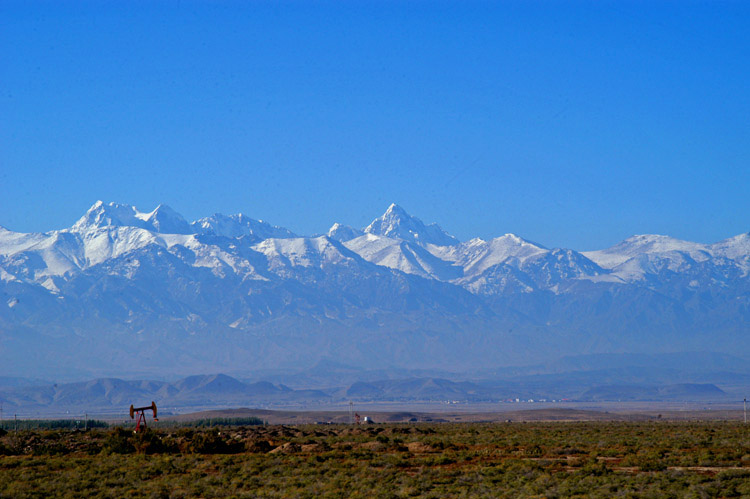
(351, 412)
(745, 407)
(15, 418)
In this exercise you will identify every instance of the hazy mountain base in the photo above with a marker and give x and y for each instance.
(120, 327)
(672, 378)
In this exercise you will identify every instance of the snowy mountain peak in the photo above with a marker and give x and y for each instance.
(108, 215)
(403, 256)
(166, 221)
(658, 243)
(737, 247)
(163, 219)
(510, 238)
(647, 244)
(481, 255)
(397, 223)
(396, 210)
(303, 252)
(342, 233)
(239, 225)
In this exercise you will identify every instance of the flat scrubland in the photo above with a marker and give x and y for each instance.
(517, 459)
(476, 413)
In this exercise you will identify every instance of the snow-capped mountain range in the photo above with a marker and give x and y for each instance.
(119, 275)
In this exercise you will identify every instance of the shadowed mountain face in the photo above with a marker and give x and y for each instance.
(128, 291)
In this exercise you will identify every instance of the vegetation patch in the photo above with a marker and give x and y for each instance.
(593, 459)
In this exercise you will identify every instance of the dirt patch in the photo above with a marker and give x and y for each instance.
(419, 448)
(287, 448)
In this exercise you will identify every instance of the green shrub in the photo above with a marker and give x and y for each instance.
(119, 441)
(211, 422)
(212, 442)
(149, 441)
(594, 467)
(650, 462)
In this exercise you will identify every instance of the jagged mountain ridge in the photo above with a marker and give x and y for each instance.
(110, 230)
(396, 291)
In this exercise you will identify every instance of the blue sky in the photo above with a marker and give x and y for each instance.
(571, 124)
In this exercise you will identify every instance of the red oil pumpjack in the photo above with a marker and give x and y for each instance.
(140, 417)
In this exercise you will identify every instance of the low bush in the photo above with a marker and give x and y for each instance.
(119, 441)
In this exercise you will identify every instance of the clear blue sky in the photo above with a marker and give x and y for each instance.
(571, 124)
